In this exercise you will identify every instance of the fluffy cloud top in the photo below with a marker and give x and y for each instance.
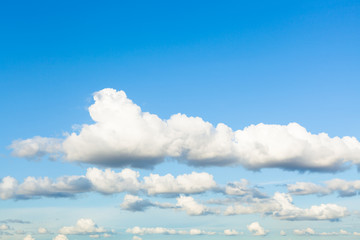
(123, 135)
(83, 226)
(60, 237)
(29, 237)
(342, 187)
(281, 206)
(192, 207)
(256, 229)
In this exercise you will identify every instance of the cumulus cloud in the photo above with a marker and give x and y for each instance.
(242, 189)
(4, 227)
(123, 135)
(60, 237)
(230, 232)
(256, 229)
(136, 238)
(135, 203)
(167, 231)
(282, 233)
(342, 187)
(29, 237)
(106, 182)
(192, 207)
(109, 181)
(281, 206)
(37, 147)
(35, 187)
(83, 226)
(310, 231)
(182, 184)
(42, 230)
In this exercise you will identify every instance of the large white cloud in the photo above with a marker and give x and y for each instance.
(342, 187)
(281, 206)
(123, 135)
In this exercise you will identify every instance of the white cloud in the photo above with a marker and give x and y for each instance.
(42, 230)
(37, 147)
(167, 231)
(231, 232)
(94, 236)
(281, 206)
(7, 187)
(29, 237)
(109, 181)
(106, 182)
(136, 238)
(310, 231)
(356, 233)
(186, 183)
(60, 237)
(4, 227)
(342, 187)
(282, 233)
(135, 203)
(83, 226)
(123, 135)
(191, 207)
(256, 229)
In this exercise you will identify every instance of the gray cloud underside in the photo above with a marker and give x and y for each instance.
(123, 135)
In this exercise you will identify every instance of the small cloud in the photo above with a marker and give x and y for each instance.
(256, 229)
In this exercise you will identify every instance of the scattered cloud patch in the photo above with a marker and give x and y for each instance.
(281, 206)
(342, 187)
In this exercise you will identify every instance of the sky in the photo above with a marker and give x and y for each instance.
(179, 120)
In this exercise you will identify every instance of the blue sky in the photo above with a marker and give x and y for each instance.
(274, 75)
